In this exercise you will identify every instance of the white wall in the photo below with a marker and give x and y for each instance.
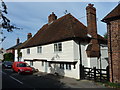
(104, 56)
(70, 53)
(16, 55)
(49, 54)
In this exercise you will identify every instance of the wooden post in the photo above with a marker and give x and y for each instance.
(81, 71)
(100, 74)
(94, 73)
(107, 72)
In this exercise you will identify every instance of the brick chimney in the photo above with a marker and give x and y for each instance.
(93, 49)
(17, 41)
(29, 35)
(52, 17)
(91, 20)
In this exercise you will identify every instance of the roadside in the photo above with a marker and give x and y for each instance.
(71, 82)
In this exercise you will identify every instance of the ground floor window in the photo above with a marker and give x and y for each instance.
(49, 64)
(61, 66)
(42, 63)
(31, 63)
(68, 66)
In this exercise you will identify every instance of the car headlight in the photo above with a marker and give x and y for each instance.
(21, 69)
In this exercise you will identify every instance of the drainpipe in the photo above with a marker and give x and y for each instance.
(80, 53)
(81, 69)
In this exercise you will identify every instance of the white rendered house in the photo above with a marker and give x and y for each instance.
(64, 44)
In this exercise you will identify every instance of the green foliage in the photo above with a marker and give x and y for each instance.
(111, 85)
(8, 57)
(105, 36)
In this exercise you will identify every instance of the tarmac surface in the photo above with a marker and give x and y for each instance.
(71, 82)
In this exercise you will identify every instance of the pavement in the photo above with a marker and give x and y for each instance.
(71, 82)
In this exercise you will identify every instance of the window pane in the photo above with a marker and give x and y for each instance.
(69, 66)
(28, 51)
(42, 63)
(39, 49)
(55, 47)
(58, 47)
(66, 66)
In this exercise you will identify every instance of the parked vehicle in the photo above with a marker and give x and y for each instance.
(7, 64)
(22, 68)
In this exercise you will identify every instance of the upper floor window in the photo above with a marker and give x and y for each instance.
(57, 47)
(39, 49)
(28, 51)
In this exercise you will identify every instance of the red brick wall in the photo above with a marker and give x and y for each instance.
(114, 50)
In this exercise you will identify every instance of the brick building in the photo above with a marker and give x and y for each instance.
(113, 27)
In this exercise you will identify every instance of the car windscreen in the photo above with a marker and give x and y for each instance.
(23, 65)
(8, 63)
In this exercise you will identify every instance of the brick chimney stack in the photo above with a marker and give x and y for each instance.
(93, 49)
(29, 35)
(17, 41)
(52, 17)
(91, 20)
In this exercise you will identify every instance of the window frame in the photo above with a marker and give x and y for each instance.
(39, 49)
(58, 47)
(28, 50)
(42, 63)
(68, 66)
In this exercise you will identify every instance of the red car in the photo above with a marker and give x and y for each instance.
(22, 67)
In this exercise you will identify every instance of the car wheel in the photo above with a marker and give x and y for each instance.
(19, 72)
(13, 71)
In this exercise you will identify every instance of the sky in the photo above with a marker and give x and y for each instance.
(31, 16)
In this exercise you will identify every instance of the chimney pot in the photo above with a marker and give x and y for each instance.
(29, 35)
(18, 41)
(52, 17)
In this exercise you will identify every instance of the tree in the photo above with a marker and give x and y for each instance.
(8, 57)
(4, 21)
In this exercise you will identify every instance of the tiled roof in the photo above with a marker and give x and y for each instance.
(114, 14)
(15, 46)
(64, 28)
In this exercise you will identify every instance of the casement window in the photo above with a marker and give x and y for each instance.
(28, 51)
(31, 63)
(42, 63)
(68, 66)
(61, 66)
(49, 64)
(39, 49)
(57, 47)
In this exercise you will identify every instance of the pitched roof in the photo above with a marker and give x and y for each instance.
(21, 45)
(114, 14)
(64, 28)
(15, 46)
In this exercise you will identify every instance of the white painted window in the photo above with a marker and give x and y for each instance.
(57, 47)
(28, 51)
(31, 63)
(39, 49)
(68, 66)
(42, 63)
(61, 66)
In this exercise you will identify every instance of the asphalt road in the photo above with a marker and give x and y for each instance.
(13, 80)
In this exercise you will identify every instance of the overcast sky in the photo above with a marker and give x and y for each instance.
(32, 16)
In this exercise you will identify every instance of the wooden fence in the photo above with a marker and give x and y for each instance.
(94, 74)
